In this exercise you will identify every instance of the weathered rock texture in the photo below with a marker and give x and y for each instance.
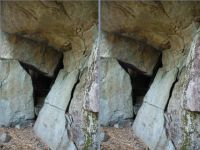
(115, 93)
(127, 50)
(152, 127)
(55, 22)
(69, 117)
(84, 105)
(169, 115)
(16, 94)
(156, 23)
(37, 55)
(52, 129)
(182, 113)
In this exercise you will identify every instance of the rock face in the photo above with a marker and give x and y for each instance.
(39, 56)
(155, 23)
(81, 50)
(115, 93)
(59, 26)
(16, 96)
(129, 51)
(183, 124)
(192, 102)
(153, 127)
(101, 74)
(52, 130)
(84, 105)
(53, 22)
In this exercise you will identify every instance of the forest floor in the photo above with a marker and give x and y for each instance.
(121, 139)
(117, 139)
(22, 139)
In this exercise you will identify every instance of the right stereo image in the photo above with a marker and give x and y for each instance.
(149, 75)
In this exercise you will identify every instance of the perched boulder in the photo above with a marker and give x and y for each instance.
(38, 55)
(16, 96)
(115, 92)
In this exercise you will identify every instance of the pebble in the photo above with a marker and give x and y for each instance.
(4, 137)
(18, 126)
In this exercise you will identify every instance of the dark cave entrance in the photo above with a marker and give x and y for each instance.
(41, 83)
(140, 82)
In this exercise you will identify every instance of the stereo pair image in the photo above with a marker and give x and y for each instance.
(110, 75)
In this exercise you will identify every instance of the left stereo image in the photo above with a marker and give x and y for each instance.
(49, 76)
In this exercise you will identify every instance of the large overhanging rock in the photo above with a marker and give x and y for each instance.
(149, 124)
(54, 22)
(115, 93)
(129, 51)
(51, 125)
(157, 23)
(16, 94)
(38, 55)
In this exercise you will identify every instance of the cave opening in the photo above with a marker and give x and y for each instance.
(140, 82)
(41, 83)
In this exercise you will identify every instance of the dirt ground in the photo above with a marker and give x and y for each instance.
(22, 139)
(122, 139)
(117, 139)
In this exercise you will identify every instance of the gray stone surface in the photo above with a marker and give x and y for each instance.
(192, 101)
(4, 137)
(159, 92)
(51, 123)
(76, 111)
(61, 90)
(37, 55)
(16, 93)
(115, 92)
(152, 128)
(132, 52)
(183, 123)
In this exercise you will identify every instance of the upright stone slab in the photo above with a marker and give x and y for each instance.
(51, 123)
(16, 93)
(149, 124)
(115, 92)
